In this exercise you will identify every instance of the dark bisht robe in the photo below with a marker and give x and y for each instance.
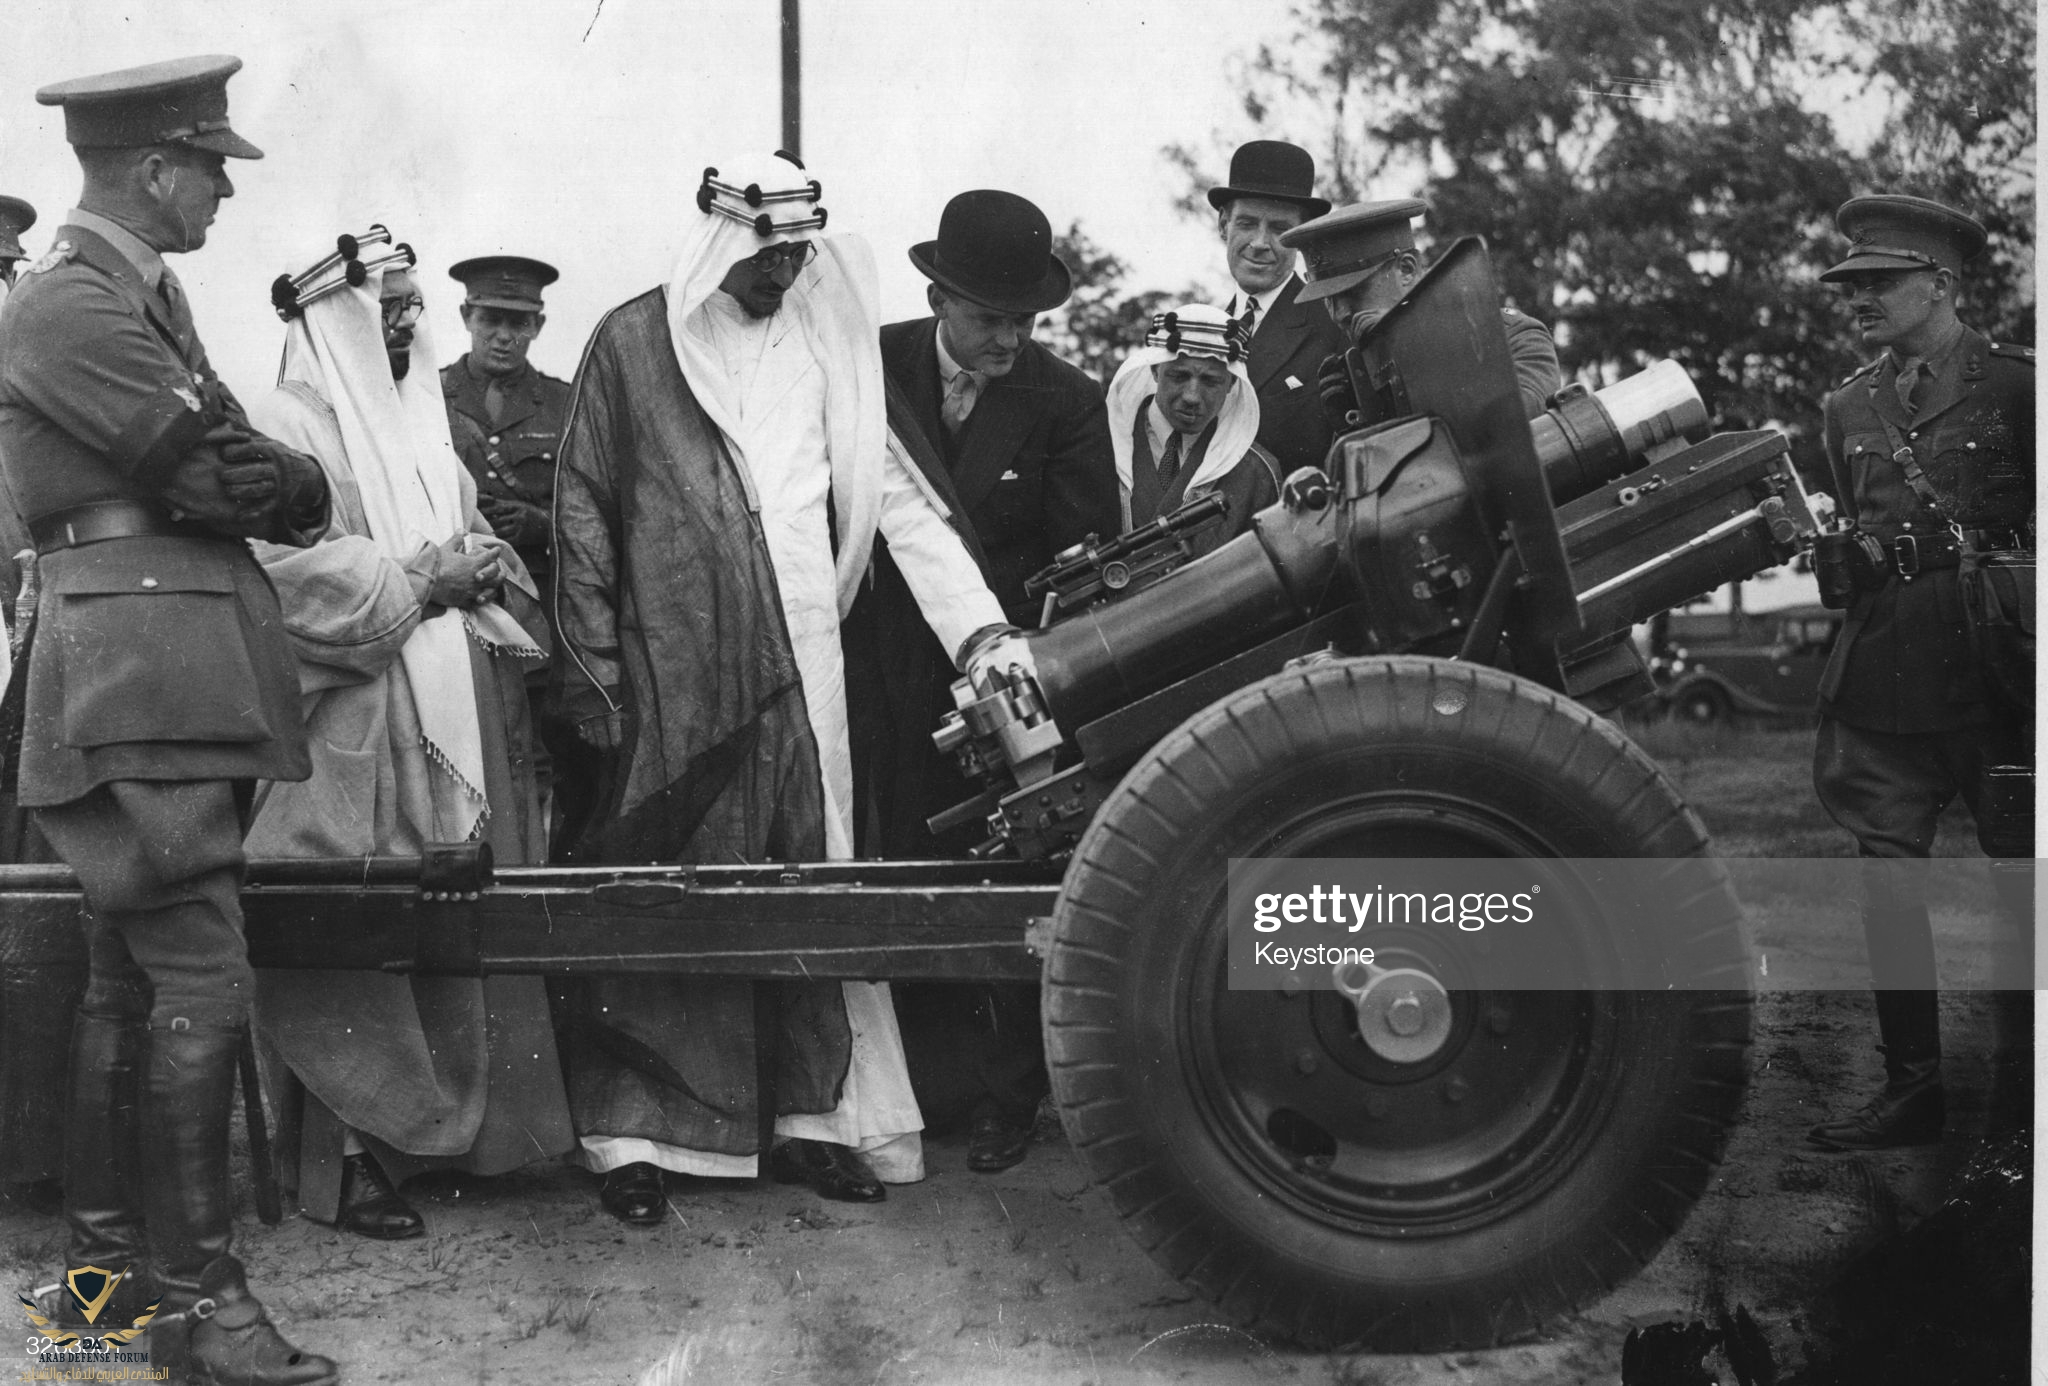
(666, 606)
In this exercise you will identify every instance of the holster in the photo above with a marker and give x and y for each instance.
(1848, 562)
(1998, 600)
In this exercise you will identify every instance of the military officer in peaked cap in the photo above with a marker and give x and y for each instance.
(16, 216)
(1932, 450)
(160, 688)
(506, 419)
(1270, 191)
(1361, 260)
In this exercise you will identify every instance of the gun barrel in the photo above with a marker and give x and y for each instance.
(1590, 438)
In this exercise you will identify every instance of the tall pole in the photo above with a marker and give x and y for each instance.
(792, 80)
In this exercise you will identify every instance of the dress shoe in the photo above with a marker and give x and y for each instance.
(370, 1207)
(1909, 1110)
(834, 1171)
(995, 1143)
(633, 1194)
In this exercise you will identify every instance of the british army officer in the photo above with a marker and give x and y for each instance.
(1931, 447)
(160, 689)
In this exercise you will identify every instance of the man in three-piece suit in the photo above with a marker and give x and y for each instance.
(1268, 195)
(1015, 443)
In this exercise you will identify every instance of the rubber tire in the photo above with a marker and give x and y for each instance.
(1702, 705)
(1145, 889)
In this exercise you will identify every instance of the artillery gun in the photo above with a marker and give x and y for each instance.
(1388, 665)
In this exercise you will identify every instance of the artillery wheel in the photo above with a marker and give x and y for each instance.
(1550, 1147)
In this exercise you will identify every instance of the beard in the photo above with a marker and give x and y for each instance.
(401, 362)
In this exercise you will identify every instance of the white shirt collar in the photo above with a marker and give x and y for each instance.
(948, 367)
(130, 246)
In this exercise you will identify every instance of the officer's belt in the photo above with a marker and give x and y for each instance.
(97, 521)
(1912, 554)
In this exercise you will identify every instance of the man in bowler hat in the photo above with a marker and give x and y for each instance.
(1932, 450)
(1016, 442)
(160, 689)
(1270, 192)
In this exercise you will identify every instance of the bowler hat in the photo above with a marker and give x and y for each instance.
(995, 249)
(1895, 232)
(1272, 169)
(16, 217)
(183, 101)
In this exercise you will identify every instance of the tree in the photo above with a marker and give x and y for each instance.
(1100, 324)
(1659, 177)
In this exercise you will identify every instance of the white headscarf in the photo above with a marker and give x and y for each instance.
(836, 301)
(396, 434)
(1193, 329)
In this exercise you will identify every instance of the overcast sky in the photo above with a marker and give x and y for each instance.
(577, 135)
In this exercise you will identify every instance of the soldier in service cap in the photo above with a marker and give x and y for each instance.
(507, 419)
(1360, 261)
(160, 689)
(1932, 450)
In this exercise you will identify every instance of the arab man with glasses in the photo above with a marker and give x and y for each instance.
(414, 627)
(728, 465)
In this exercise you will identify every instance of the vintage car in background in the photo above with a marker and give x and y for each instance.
(1714, 666)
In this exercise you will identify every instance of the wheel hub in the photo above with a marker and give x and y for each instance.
(1403, 1013)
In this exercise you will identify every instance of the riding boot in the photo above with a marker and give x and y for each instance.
(210, 1328)
(1911, 1108)
(109, 1249)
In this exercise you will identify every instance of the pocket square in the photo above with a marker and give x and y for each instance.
(1007, 476)
(1293, 382)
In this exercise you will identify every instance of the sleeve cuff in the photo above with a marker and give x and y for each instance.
(158, 435)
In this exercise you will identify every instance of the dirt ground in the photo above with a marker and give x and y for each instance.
(1026, 1277)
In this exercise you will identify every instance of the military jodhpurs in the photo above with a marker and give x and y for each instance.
(161, 863)
(1888, 789)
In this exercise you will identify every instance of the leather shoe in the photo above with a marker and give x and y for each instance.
(370, 1207)
(633, 1194)
(996, 1143)
(1909, 1110)
(833, 1171)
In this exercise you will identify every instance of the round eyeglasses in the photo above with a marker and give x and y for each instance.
(795, 254)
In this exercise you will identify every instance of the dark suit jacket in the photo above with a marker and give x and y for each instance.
(1033, 467)
(1288, 347)
(1031, 473)
(158, 657)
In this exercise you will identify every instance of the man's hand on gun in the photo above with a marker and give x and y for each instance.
(993, 650)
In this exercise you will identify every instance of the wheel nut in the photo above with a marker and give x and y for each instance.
(1404, 1016)
(1456, 1090)
(1306, 1062)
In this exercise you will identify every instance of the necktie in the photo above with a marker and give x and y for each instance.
(173, 295)
(1908, 381)
(1251, 315)
(1169, 465)
(961, 392)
